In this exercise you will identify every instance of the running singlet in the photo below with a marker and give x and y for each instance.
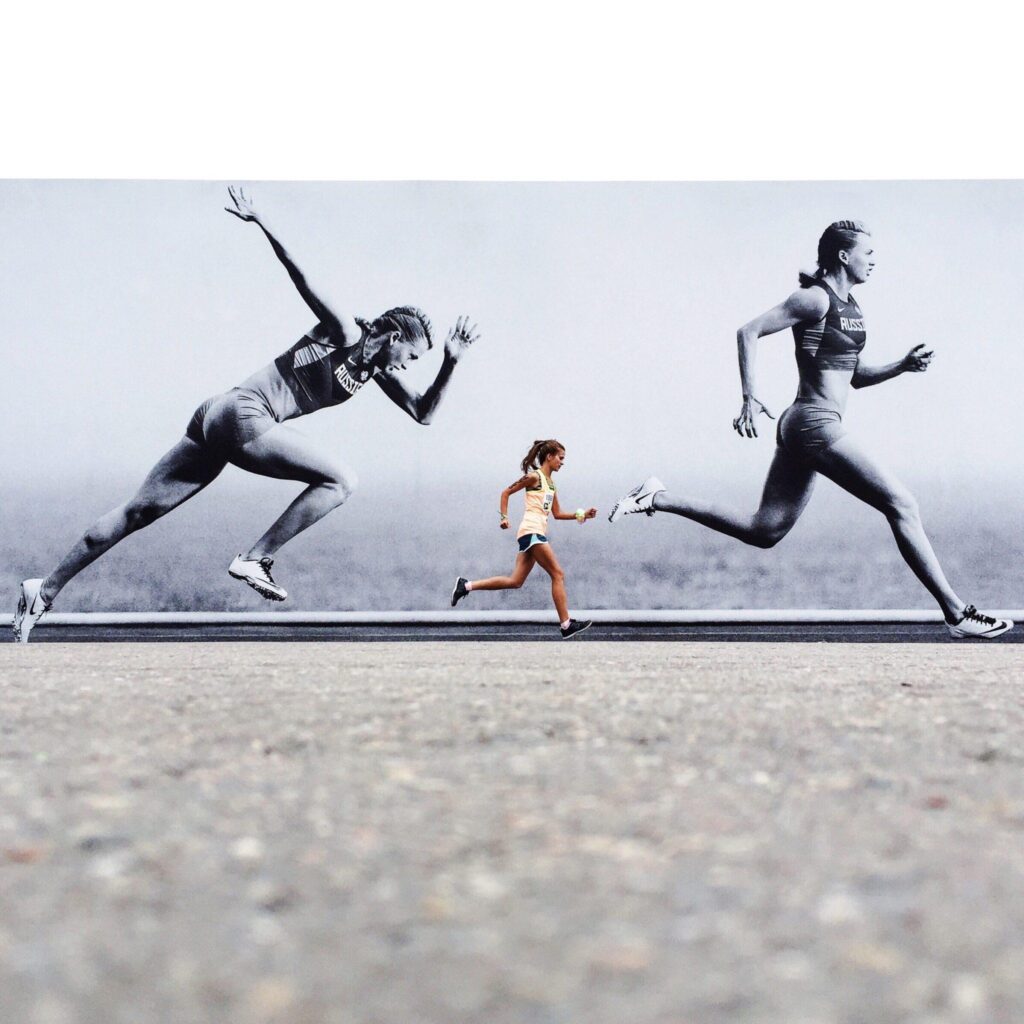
(311, 375)
(318, 374)
(538, 504)
(834, 342)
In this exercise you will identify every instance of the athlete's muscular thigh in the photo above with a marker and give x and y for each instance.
(525, 562)
(853, 469)
(184, 471)
(787, 489)
(285, 454)
(546, 559)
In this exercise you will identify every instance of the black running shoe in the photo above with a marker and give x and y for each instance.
(460, 590)
(575, 626)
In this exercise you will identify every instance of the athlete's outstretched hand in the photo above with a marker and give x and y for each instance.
(590, 513)
(460, 337)
(243, 207)
(744, 423)
(918, 359)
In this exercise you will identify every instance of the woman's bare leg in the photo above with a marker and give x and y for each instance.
(787, 489)
(855, 471)
(181, 474)
(285, 454)
(524, 564)
(549, 563)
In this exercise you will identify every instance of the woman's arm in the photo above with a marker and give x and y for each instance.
(915, 361)
(421, 407)
(803, 306)
(336, 323)
(557, 512)
(530, 480)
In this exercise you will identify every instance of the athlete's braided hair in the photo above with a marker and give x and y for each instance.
(539, 452)
(837, 237)
(410, 320)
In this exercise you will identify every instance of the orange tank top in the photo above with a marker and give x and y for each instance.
(538, 504)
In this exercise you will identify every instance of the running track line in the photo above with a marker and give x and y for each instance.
(731, 616)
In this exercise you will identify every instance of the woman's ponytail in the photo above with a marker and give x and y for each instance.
(538, 452)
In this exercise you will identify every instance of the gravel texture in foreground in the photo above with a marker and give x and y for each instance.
(511, 832)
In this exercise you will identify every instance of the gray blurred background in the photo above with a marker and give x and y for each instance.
(608, 314)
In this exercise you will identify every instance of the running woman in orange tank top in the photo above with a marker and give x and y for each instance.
(542, 460)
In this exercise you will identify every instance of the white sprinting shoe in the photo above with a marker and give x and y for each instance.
(976, 625)
(640, 499)
(257, 574)
(31, 608)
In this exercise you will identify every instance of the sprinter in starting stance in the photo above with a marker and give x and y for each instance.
(247, 426)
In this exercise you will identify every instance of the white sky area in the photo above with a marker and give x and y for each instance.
(608, 314)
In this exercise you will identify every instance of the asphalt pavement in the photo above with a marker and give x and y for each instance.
(509, 833)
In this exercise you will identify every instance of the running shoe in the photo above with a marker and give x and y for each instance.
(31, 608)
(640, 499)
(977, 625)
(575, 626)
(256, 573)
(460, 590)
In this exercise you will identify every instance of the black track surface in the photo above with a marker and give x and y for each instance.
(856, 633)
